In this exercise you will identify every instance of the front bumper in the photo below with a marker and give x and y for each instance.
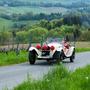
(44, 57)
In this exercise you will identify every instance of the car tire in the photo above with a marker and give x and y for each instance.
(32, 57)
(58, 60)
(62, 55)
(72, 57)
(49, 61)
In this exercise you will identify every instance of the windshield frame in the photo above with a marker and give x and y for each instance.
(54, 40)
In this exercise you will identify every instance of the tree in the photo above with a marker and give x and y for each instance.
(37, 34)
(67, 29)
(5, 37)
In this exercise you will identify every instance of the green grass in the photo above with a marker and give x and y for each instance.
(60, 79)
(82, 49)
(12, 58)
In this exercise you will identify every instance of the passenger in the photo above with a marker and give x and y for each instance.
(66, 46)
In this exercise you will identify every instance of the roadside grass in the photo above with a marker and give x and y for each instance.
(12, 58)
(82, 49)
(60, 79)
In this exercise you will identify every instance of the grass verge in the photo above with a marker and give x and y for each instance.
(60, 79)
(12, 58)
(82, 49)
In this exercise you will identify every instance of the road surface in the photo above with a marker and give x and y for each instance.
(11, 76)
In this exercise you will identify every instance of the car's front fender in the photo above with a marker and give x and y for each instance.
(33, 48)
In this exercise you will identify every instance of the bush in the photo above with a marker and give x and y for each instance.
(5, 37)
(22, 37)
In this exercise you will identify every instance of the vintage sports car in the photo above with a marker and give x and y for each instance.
(52, 49)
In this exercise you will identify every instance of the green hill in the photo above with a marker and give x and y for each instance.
(5, 24)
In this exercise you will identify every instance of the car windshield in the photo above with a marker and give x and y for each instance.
(51, 40)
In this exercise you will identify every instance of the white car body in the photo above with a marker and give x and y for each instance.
(39, 52)
(52, 49)
(58, 47)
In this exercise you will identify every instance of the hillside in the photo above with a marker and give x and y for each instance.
(44, 1)
(14, 9)
(40, 6)
(5, 24)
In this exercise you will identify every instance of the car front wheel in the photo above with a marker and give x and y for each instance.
(32, 57)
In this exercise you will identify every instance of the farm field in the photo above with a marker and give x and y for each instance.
(35, 10)
(83, 44)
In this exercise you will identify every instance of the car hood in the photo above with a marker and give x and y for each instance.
(56, 45)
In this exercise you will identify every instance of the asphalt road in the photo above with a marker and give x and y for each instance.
(11, 76)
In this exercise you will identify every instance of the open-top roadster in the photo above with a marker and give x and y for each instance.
(52, 49)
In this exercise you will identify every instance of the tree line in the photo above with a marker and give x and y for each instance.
(44, 29)
(30, 16)
(69, 18)
(68, 24)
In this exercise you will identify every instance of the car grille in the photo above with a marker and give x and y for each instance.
(45, 53)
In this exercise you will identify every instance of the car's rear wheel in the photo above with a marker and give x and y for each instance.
(49, 61)
(62, 55)
(32, 57)
(58, 60)
(72, 57)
